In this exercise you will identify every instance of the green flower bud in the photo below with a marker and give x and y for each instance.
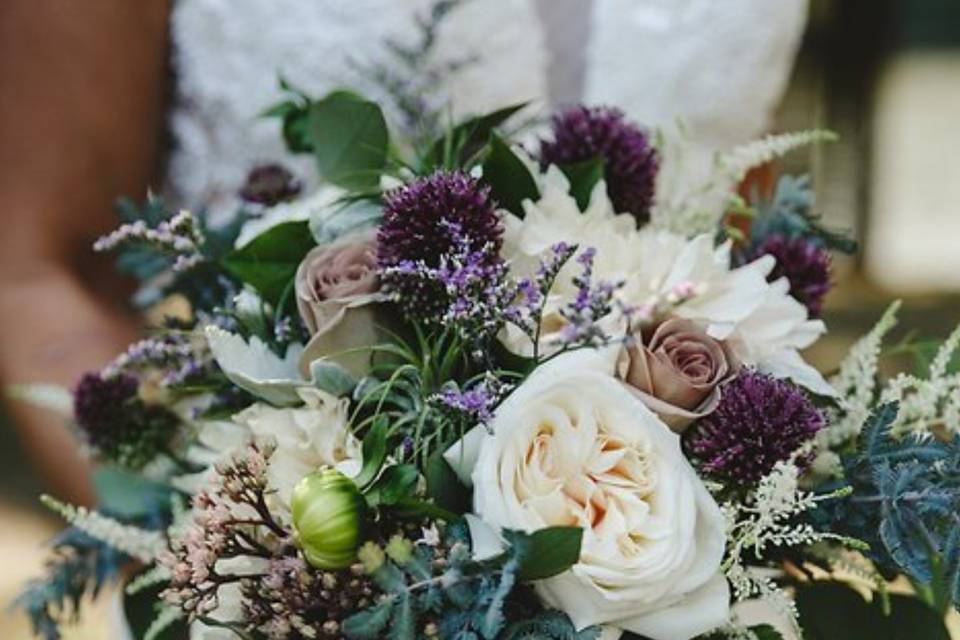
(328, 512)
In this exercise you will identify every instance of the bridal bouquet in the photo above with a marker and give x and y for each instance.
(475, 389)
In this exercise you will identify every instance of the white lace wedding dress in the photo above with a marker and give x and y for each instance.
(720, 67)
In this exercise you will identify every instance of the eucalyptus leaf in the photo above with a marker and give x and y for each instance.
(349, 138)
(583, 177)
(508, 177)
(268, 262)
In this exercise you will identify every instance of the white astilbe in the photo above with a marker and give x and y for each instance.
(691, 211)
(165, 617)
(52, 397)
(735, 164)
(930, 403)
(856, 382)
(156, 575)
(142, 544)
(764, 520)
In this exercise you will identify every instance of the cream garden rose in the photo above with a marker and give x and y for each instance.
(573, 446)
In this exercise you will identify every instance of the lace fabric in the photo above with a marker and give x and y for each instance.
(718, 67)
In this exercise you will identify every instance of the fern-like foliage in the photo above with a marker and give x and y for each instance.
(906, 502)
(465, 600)
(789, 212)
(79, 567)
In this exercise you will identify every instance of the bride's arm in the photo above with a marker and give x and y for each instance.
(81, 116)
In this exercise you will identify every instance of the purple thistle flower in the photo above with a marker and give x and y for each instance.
(439, 246)
(630, 161)
(760, 421)
(805, 264)
(270, 184)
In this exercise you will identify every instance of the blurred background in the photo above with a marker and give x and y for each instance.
(885, 75)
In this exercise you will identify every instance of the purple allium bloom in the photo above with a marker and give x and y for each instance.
(270, 184)
(760, 421)
(116, 423)
(805, 264)
(98, 403)
(427, 222)
(630, 161)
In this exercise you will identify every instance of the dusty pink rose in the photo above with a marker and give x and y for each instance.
(334, 285)
(677, 372)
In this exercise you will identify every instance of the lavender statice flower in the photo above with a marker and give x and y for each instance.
(804, 263)
(427, 222)
(530, 294)
(270, 184)
(630, 160)
(177, 355)
(592, 303)
(116, 424)
(760, 421)
(180, 237)
(474, 404)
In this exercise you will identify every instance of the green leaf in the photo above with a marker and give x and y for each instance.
(268, 262)
(413, 508)
(346, 218)
(374, 452)
(332, 378)
(551, 551)
(508, 177)
(583, 177)
(349, 137)
(823, 604)
(369, 623)
(395, 484)
(128, 495)
(444, 486)
(766, 632)
(467, 138)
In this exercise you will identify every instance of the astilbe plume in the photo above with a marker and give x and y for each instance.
(425, 224)
(804, 263)
(760, 421)
(117, 424)
(630, 160)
